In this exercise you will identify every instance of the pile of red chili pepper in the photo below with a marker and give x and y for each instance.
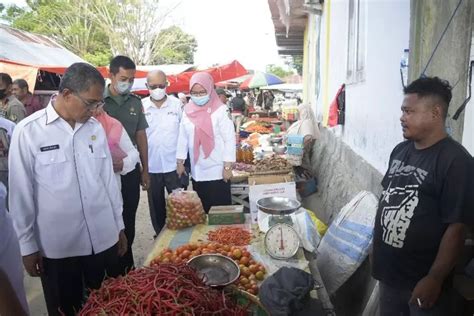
(162, 289)
(234, 236)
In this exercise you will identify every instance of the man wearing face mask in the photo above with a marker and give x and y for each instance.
(163, 114)
(127, 108)
(65, 202)
(10, 107)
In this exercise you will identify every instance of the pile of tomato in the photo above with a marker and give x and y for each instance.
(184, 209)
(251, 272)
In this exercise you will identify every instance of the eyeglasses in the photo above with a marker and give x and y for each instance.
(198, 93)
(161, 86)
(89, 105)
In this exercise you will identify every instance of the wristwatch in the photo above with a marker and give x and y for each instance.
(227, 168)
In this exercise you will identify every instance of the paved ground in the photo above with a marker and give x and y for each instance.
(141, 247)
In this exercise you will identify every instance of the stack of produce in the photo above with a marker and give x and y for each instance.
(184, 209)
(259, 127)
(273, 163)
(161, 289)
(250, 271)
(245, 167)
(244, 155)
(234, 236)
(253, 140)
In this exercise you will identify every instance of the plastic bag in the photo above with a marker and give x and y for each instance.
(320, 225)
(346, 243)
(184, 209)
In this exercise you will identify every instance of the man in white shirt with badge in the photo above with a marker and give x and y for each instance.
(65, 202)
(163, 114)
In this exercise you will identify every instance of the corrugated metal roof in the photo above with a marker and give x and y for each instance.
(289, 20)
(33, 49)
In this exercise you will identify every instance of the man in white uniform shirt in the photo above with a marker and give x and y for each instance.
(66, 205)
(163, 114)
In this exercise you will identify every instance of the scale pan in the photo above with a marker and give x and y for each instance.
(278, 205)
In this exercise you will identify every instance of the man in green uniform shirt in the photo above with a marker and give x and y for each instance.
(128, 109)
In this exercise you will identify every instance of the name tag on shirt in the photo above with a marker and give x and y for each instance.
(49, 148)
(172, 113)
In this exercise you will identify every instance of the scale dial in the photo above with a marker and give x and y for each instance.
(282, 241)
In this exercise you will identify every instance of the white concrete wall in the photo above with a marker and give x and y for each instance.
(468, 132)
(372, 126)
(311, 81)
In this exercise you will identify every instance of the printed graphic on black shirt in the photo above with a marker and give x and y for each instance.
(401, 203)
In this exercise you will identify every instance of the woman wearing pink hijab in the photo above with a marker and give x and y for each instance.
(124, 155)
(207, 133)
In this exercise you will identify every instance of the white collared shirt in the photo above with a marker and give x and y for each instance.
(212, 167)
(8, 125)
(64, 199)
(162, 133)
(129, 162)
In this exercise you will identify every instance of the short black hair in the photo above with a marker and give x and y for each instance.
(121, 61)
(79, 77)
(432, 87)
(21, 83)
(5, 78)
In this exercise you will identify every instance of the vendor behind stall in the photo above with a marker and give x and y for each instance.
(306, 126)
(239, 110)
(208, 134)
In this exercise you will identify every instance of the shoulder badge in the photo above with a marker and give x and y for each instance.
(136, 96)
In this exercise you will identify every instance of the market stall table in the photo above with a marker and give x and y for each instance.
(174, 238)
(240, 194)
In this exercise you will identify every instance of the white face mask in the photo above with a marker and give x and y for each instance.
(123, 87)
(158, 94)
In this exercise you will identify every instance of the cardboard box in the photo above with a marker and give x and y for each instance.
(269, 185)
(239, 189)
(271, 178)
(226, 215)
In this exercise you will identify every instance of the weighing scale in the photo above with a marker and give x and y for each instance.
(281, 240)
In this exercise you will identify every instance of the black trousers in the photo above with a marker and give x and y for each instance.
(213, 193)
(156, 196)
(65, 280)
(185, 177)
(131, 197)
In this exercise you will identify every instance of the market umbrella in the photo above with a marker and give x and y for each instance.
(260, 79)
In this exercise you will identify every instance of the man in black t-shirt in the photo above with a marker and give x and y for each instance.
(420, 224)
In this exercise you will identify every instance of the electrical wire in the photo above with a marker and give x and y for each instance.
(440, 39)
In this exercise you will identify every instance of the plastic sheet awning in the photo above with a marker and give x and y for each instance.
(22, 54)
(180, 82)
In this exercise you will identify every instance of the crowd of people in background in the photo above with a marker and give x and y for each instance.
(72, 174)
(74, 171)
(75, 167)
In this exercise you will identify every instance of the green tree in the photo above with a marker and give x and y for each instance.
(174, 47)
(298, 64)
(10, 12)
(68, 22)
(135, 29)
(278, 71)
(98, 29)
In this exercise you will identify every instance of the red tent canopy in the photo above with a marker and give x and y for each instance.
(177, 83)
(180, 82)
